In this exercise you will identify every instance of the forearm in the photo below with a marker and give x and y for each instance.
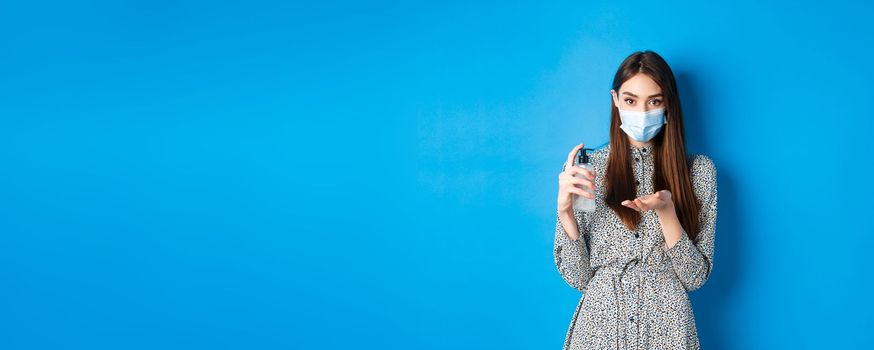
(569, 223)
(671, 227)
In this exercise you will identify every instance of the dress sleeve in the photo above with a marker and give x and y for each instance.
(693, 260)
(572, 257)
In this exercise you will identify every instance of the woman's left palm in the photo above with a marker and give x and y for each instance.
(657, 201)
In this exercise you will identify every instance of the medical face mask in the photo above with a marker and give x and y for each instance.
(642, 126)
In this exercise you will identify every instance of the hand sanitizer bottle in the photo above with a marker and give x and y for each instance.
(580, 202)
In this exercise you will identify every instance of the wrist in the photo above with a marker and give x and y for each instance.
(666, 211)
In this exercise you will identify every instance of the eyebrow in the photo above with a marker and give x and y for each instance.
(633, 95)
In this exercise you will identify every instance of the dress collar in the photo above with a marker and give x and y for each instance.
(640, 151)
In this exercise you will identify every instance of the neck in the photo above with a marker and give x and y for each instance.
(639, 144)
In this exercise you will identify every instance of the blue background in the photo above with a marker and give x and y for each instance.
(262, 175)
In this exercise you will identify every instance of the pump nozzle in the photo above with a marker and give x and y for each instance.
(582, 156)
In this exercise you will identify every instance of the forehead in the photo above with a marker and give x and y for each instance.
(640, 84)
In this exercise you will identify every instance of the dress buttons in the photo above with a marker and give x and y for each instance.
(636, 235)
(637, 159)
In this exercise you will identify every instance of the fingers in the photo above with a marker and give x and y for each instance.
(631, 205)
(570, 157)
(567, 177)
(662, 195)
(585, 183)
(585, 178)
(579, 191)
(647, 201)
(640, 204)
(657, 199)
(570, 184)
(636, 204)
(580, 170)
(650, 201)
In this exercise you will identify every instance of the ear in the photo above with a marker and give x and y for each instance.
(615, 98)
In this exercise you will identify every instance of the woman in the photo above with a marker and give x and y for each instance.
(649, 241)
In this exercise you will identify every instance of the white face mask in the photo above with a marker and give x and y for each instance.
(642, 126)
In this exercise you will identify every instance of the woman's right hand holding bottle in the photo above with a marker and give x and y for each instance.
(570, 185)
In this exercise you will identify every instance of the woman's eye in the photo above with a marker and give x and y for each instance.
(656, 102)
(629, 101)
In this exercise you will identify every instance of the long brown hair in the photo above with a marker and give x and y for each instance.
(669, 148)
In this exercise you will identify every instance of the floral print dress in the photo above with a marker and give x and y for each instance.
(635, 289)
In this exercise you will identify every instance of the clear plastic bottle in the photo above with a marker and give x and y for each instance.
(580, 202)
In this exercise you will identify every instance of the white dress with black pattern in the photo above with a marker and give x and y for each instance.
(635, 290)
